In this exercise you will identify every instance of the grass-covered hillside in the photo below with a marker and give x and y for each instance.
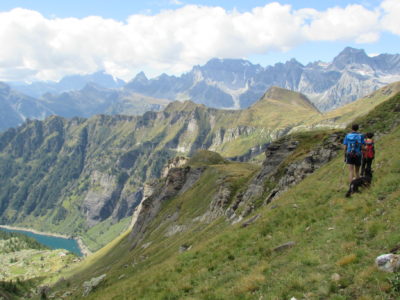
(309, 243)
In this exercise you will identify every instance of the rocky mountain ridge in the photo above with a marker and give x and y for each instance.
(220, 83)
(235, 83)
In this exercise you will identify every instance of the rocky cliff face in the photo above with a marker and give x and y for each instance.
(177, 181)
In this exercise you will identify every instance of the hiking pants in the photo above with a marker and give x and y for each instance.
(366, 167)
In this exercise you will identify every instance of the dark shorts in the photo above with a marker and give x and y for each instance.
(353, 159)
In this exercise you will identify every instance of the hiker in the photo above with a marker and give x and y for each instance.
(353, 143)
(368, 154)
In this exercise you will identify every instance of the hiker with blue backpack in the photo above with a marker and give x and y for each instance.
(354, 144)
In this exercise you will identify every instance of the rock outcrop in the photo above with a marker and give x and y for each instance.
(177, 181)
(91, 284)
(297, 171)
(176, 162)
(277, 175)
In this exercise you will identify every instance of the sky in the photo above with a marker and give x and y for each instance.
(47, 39)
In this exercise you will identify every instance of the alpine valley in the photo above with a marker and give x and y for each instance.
(196, 202)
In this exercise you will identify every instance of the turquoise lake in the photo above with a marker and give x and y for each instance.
(51, 241)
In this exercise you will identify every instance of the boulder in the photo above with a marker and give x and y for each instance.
(184, 248)
(88, 286)
(388, 262)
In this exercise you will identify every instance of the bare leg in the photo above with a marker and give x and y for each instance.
(351, 173)
(357, 171)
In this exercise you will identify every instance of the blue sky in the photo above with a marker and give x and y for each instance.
(51, 39)
(121, 9)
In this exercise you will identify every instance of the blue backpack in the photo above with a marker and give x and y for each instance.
(353, 142)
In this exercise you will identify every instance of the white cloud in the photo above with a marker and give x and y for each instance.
(352, 23)
(391, 18)
(172, 41)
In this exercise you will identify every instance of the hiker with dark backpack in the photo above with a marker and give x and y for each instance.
(354, 143)
(368, 155)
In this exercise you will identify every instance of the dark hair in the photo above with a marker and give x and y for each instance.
(355, 127)
(369, 135)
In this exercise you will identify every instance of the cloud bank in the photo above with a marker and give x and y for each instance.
(35, 47)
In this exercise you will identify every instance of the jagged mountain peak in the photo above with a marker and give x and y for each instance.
(140, 77)
(293, 62)
(227, 62)
(350, 56)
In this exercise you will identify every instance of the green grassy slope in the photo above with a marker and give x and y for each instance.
(332, 235)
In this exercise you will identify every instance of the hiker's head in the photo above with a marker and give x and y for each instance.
(355, 127)
(369, 135)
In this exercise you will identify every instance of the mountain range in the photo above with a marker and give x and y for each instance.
(92, 99)
(235, 83)
(220, 83)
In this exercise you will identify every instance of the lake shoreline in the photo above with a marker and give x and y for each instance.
(82, 247)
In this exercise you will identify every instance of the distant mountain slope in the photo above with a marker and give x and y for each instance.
(86, 102)
(68, 83)
(342, 116)
(93, 99)
(235, 83)
(82, 176)
(16, 108)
